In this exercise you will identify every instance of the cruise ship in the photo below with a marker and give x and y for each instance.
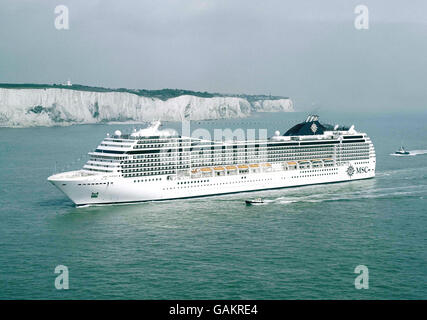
(155, 164)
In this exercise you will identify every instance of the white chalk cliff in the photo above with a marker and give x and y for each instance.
(55, 106)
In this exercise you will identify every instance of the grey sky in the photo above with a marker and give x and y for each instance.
(308, 50)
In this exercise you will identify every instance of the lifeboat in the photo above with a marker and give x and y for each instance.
(230, 167)
(291, 163)
(195, 171)
(254, 165)
(316, 163)
(219, 169)
(266, 165)
(242, 166)
(206, 169)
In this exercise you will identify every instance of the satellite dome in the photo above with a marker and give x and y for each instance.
(277, 133)
(118, 133)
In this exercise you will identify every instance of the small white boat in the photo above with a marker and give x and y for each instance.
(254, 201)
(402, 151)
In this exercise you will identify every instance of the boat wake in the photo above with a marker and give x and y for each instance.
(418, 191)
(407, 172)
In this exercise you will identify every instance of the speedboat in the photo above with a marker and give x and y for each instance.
(254, 201)
(402, 151)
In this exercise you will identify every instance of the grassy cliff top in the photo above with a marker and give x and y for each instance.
(163, 94)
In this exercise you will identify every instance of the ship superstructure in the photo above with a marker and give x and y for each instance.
(155, 164)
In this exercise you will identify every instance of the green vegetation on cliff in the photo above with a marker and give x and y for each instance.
(163, 94)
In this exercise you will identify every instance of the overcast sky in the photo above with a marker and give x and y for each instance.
(307, 50)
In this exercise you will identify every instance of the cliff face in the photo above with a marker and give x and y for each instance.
(53, 106)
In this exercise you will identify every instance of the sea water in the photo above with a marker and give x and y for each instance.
(304, 243)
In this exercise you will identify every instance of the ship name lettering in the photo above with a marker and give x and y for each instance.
(362, 169)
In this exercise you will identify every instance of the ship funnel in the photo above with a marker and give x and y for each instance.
(312, 118)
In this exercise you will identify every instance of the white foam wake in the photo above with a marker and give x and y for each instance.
(416, 152)
(375, 193)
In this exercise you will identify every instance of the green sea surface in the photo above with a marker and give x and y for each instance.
(304, 243)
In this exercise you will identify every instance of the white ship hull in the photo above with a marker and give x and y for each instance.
(152, 164)
(104, 189)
